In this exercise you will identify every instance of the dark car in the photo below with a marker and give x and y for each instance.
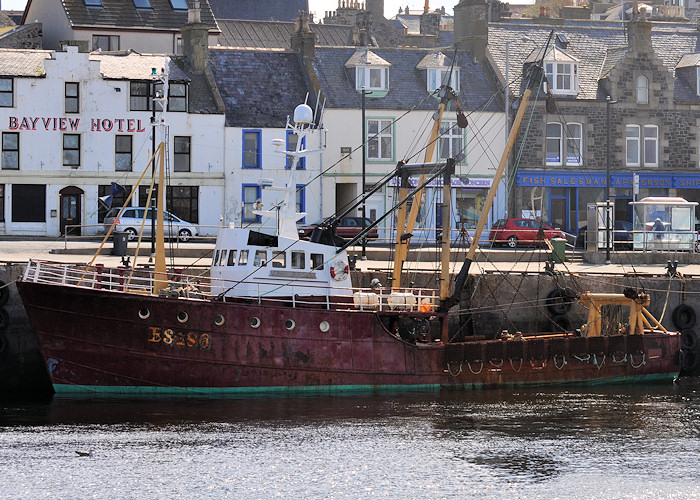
(347, 228)
(623, 237)
(514, 232)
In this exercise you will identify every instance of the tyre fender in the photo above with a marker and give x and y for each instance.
(683, 317)
(689, 339)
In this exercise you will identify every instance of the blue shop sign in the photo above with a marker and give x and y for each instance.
(598, 179)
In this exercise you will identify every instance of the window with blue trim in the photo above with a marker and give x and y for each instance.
(301, 201)
(252, 154)
(292, 140)
(251, 195)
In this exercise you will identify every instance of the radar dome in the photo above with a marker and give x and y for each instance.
(303, 115)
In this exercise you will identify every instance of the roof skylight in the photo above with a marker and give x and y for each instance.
(179, 4)
(143, 4)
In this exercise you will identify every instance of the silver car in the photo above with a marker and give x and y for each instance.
(132, 217)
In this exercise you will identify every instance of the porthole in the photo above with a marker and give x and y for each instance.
(182, 317)
(219, 320)
(324, 326)
(144, 313)
(289, 324)
(254, 322)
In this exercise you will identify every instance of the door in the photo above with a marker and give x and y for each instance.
(69, 198)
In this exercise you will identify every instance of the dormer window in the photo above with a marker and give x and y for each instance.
(562, 72)
(371, 78)
(438, 77)
(371, 73)
(439, 69)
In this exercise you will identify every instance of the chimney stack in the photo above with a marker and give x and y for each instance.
(303, 39)
(195, 39)
(471, 30)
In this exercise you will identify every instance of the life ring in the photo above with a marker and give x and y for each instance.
(689, 339)
(561, 322)
(4, 319)
(559, 302)
(683, 317)
(340, 270)
(4, 293)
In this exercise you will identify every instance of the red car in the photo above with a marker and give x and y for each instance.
(347, 228)
(514, 232)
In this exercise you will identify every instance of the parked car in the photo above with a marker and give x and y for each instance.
(347, 228)
(623, 237)
(514, 232)
(131, 219)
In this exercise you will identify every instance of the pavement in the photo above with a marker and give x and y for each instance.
(19, 250)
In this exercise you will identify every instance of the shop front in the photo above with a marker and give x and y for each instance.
(560, 199)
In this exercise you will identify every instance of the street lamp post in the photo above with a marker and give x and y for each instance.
(364, 154)
(608, 103)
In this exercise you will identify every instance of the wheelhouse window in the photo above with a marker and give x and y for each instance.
(10, 151)
(72, 97)
(232, 257)
(292, 140)
(181, 153)
(562, 77)
(252, 154)
(279, 259)
(71, 150)
(243, 258)
(105, 42)
(451, 142)
(251, 194)
(122, 153)
(380, 139)
(371, 78)
(439, 76)
(298, 259)
(260, 258)
(642, 90)
(6, 92)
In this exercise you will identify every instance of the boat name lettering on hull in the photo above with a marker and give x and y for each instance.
(174, 338)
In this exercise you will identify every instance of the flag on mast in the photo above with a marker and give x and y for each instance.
(107, 200)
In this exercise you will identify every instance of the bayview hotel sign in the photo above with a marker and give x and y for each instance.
(63, 124)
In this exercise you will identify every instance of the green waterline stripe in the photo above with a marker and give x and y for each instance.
(64, 389)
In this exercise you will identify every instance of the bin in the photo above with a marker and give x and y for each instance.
(119, 243)
(559, 250)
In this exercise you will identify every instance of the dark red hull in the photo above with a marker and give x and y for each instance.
(99, 340)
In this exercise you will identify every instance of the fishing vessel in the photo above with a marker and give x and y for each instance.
(279, 313)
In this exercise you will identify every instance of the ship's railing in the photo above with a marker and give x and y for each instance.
(97, 277)
(124, 279)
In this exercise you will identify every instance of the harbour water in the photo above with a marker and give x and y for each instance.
(592, 442)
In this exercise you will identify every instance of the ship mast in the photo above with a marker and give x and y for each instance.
(404, 230)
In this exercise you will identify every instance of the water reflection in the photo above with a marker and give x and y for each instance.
(609, 441)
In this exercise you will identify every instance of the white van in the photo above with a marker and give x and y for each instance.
(130, 222)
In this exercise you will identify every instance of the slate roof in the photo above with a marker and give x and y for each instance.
(277, 34)
(259, 87)
(263, 10)
(124, 14)
(29, 63)
(597, 45)
(128, 65)
(407, 84)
